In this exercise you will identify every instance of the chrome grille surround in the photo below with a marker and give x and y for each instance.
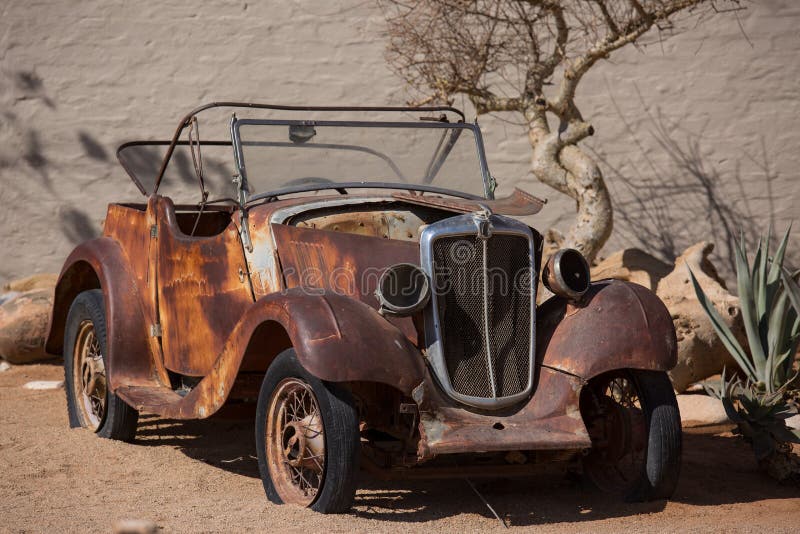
(479, 375)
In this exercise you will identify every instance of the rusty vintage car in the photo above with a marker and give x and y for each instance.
(354, 282)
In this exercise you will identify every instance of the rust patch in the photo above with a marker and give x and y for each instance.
(200, 294)
(518, 203)
(319, 261)
(616, 325)
(545, 422)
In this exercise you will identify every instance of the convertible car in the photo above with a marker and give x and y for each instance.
(348, 276)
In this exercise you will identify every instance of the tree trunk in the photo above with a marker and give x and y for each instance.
(562, 165)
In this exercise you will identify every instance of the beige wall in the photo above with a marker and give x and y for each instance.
(697, 136)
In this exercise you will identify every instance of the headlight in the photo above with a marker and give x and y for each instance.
(567, 274)
(403, 289)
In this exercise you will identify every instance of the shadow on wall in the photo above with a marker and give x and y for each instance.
(665, 209)
(17, 139)
(76, 225)
(31, 84)
(180, 180)
(92, 147)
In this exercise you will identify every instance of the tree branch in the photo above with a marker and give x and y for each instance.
(637, 27)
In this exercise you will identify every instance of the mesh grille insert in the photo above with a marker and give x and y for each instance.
(463, 290)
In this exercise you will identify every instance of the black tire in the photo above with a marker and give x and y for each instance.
(342, 443)
(656, 475)
(118, 420)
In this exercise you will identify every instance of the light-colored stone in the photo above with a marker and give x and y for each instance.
(134, 526)
(4, 366)
(44, 384)
(31, 283)
(793, 422)
(632, 265)
(701, 410)
(7, 296)
(23, 326)
(701, 354)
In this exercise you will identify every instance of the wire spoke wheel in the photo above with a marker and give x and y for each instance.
(307, 438)
(89, 379)
(295, 442)
(619, 432)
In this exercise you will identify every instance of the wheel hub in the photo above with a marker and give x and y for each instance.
(618, 429)
(89, 377)
(303, 441)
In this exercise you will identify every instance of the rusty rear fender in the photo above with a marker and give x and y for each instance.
(101, 264)
(617, 325)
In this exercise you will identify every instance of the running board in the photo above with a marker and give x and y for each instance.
(148, 399)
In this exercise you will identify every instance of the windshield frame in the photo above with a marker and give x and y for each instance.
(236, 123)
(423, 121)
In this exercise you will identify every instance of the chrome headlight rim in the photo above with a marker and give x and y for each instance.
(396, 275)
(567, 274)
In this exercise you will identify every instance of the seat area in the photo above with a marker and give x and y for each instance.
(209, 222)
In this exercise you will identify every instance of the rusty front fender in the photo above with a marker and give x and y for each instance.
(340, 339)
(617, 325)
(101, 264)
(336, 338)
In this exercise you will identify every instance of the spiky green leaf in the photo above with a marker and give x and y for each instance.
(731, 412)
(781, 432)
(759, 281)
(792, 288)
(722, 330)
(774, 276)
(750, 317)
(778, 319)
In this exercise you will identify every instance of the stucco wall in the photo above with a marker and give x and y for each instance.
(697, 135)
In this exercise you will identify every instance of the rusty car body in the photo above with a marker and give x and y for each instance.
(382, 321)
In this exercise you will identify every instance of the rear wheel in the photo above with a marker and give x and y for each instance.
(307, 439)
(633, 421)
(90, 404)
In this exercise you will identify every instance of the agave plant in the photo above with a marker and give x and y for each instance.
(760, 417)
(769, 297)
(770, 301)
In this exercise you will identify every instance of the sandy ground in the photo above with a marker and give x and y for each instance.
(201, 476)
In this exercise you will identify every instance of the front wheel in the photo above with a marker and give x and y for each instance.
(90, 403)
(635, 426)
(307, 438)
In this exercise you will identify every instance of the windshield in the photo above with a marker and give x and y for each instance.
(293, 156)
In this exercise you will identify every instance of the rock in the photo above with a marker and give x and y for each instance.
(633, 265)
(9, 295)
(701, 354)
(44, 384)
(134, 526)
(24, 316)
(793, 422)
(37, 281)
(701, 410)
(4, 366)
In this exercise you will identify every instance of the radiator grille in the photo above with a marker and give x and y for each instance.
(478, 282)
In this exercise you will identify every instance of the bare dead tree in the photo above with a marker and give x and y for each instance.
(529, 56)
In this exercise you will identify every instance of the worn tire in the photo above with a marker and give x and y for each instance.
(340, 427)
(119, 420)
(659, 473)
